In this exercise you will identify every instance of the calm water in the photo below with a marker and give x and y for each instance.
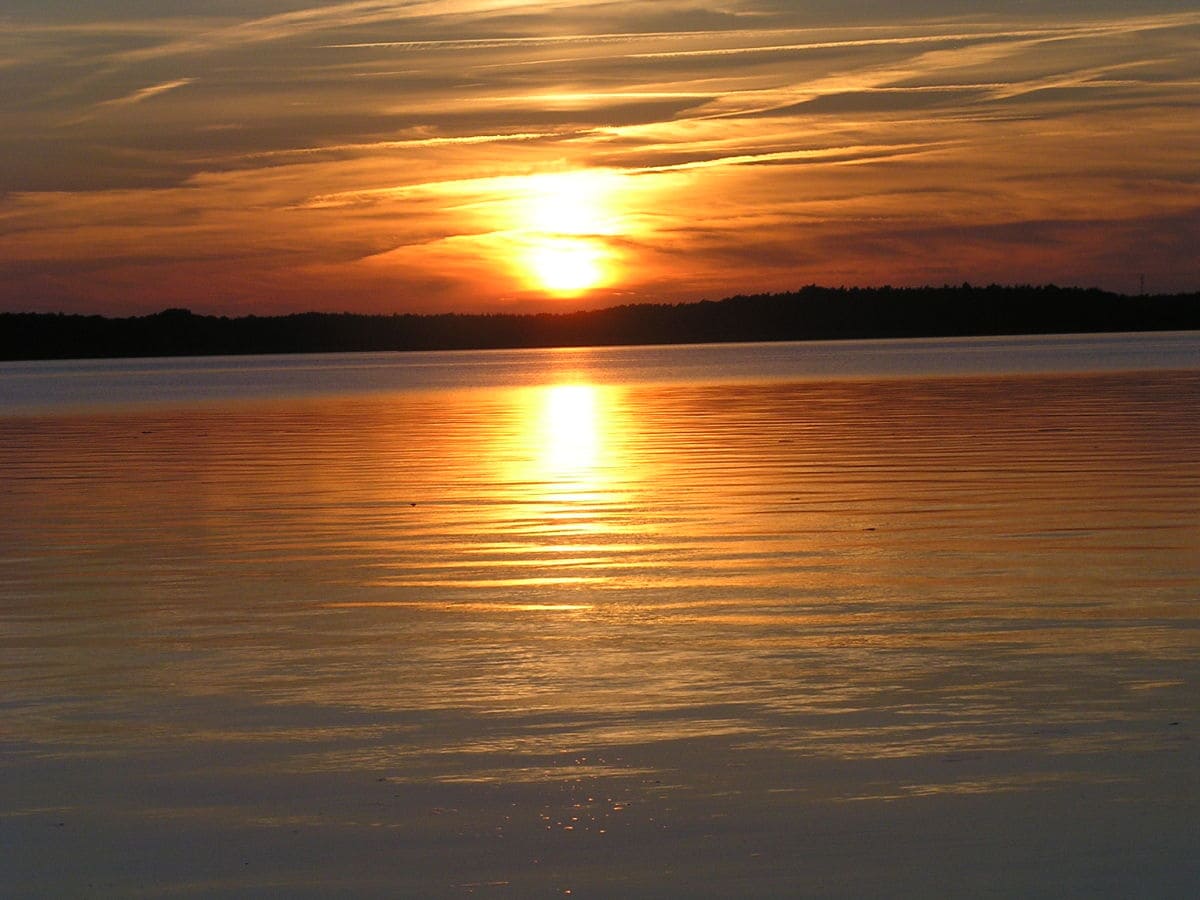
(873, 618)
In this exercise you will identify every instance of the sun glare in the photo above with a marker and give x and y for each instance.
(566, 218)
(566, 266)
(570, 429)
(578, 203)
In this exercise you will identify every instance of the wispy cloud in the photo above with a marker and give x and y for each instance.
(301, 22)
(411, 144)
(130, 99)
(146, 93)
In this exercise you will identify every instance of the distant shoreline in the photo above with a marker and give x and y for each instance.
(811, 313)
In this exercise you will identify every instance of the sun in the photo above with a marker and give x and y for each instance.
(567, 219)
(566, 267)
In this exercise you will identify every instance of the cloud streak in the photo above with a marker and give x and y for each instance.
(139, 96)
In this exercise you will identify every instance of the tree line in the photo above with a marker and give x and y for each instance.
(812, 313)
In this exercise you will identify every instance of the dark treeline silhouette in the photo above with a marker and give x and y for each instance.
(813, 313)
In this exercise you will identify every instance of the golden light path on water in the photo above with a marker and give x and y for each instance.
(563, 466)
(574, 432)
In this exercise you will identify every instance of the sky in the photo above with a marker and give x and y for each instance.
(266, 156)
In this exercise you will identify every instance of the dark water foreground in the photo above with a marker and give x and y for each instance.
(619, 623)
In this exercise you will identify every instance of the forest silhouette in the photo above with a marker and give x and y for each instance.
(812, 313)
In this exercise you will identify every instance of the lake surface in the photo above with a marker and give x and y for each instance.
(909, 618)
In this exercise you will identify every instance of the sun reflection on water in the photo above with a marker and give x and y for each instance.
(540, 506)
(568, 475)
(562, 480)
(570, 430)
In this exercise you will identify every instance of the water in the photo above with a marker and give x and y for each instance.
(83, 385)
(899, 618)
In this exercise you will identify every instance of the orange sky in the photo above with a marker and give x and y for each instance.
(494, 155)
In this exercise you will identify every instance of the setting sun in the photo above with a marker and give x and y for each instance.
(566, 266)
(566, 218)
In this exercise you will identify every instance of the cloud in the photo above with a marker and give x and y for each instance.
(147, 92)
(340, 16)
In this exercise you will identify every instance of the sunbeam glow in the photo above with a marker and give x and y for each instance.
(566, 267)
(567, 217)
